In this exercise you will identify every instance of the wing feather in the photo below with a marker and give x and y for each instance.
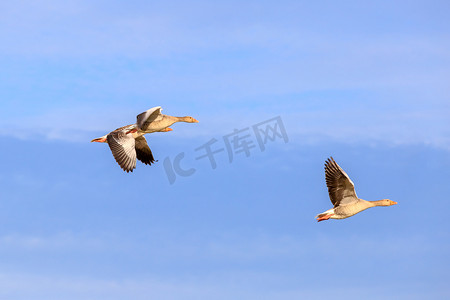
(143, 152)
(122, 146)
(144, 119)
(340, 187)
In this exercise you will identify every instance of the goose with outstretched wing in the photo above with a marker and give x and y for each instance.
(128, 143)
(343, 196)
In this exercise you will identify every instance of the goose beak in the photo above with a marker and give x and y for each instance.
(100, 139)
(194, 120)
(167, 129)
(393, 202)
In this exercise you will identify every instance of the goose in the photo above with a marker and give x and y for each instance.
(153, 120)
(128, 142)
(343, 196)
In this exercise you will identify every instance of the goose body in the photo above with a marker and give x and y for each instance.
(153, 120)
(128, 143)
(343, 196)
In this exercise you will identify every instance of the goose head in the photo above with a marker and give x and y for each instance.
(386, 202)
(188, 119)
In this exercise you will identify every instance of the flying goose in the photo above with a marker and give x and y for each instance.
(153, 120)
(343, 196)
(128, 142)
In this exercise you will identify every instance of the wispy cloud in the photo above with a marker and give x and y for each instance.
(220, 282)
(226, 247)
(351, 125)
(108, 61)
(60, 242)
(262, 286)
(159, 31)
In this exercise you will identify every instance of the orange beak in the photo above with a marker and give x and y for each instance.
(195, 120)
(167, 129)
(99, 140)
(393, 202)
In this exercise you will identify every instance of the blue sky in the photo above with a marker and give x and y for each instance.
(364, 82)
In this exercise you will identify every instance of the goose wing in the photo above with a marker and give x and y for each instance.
(122, 146)
(340, 187)
(143, 151)
(144, 119)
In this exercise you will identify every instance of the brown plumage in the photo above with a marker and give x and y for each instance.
(343, 196)
(128, 143)
(127, 147)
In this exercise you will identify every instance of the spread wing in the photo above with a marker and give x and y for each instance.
(340, 187)
(143, 151)
(122, 146)
(144, 119)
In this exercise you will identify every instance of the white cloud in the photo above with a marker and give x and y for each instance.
(164, 246)
(351, 126)
(225, 286)
(219, 65)
(101, 29)
(231, 282)
(61, 241)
